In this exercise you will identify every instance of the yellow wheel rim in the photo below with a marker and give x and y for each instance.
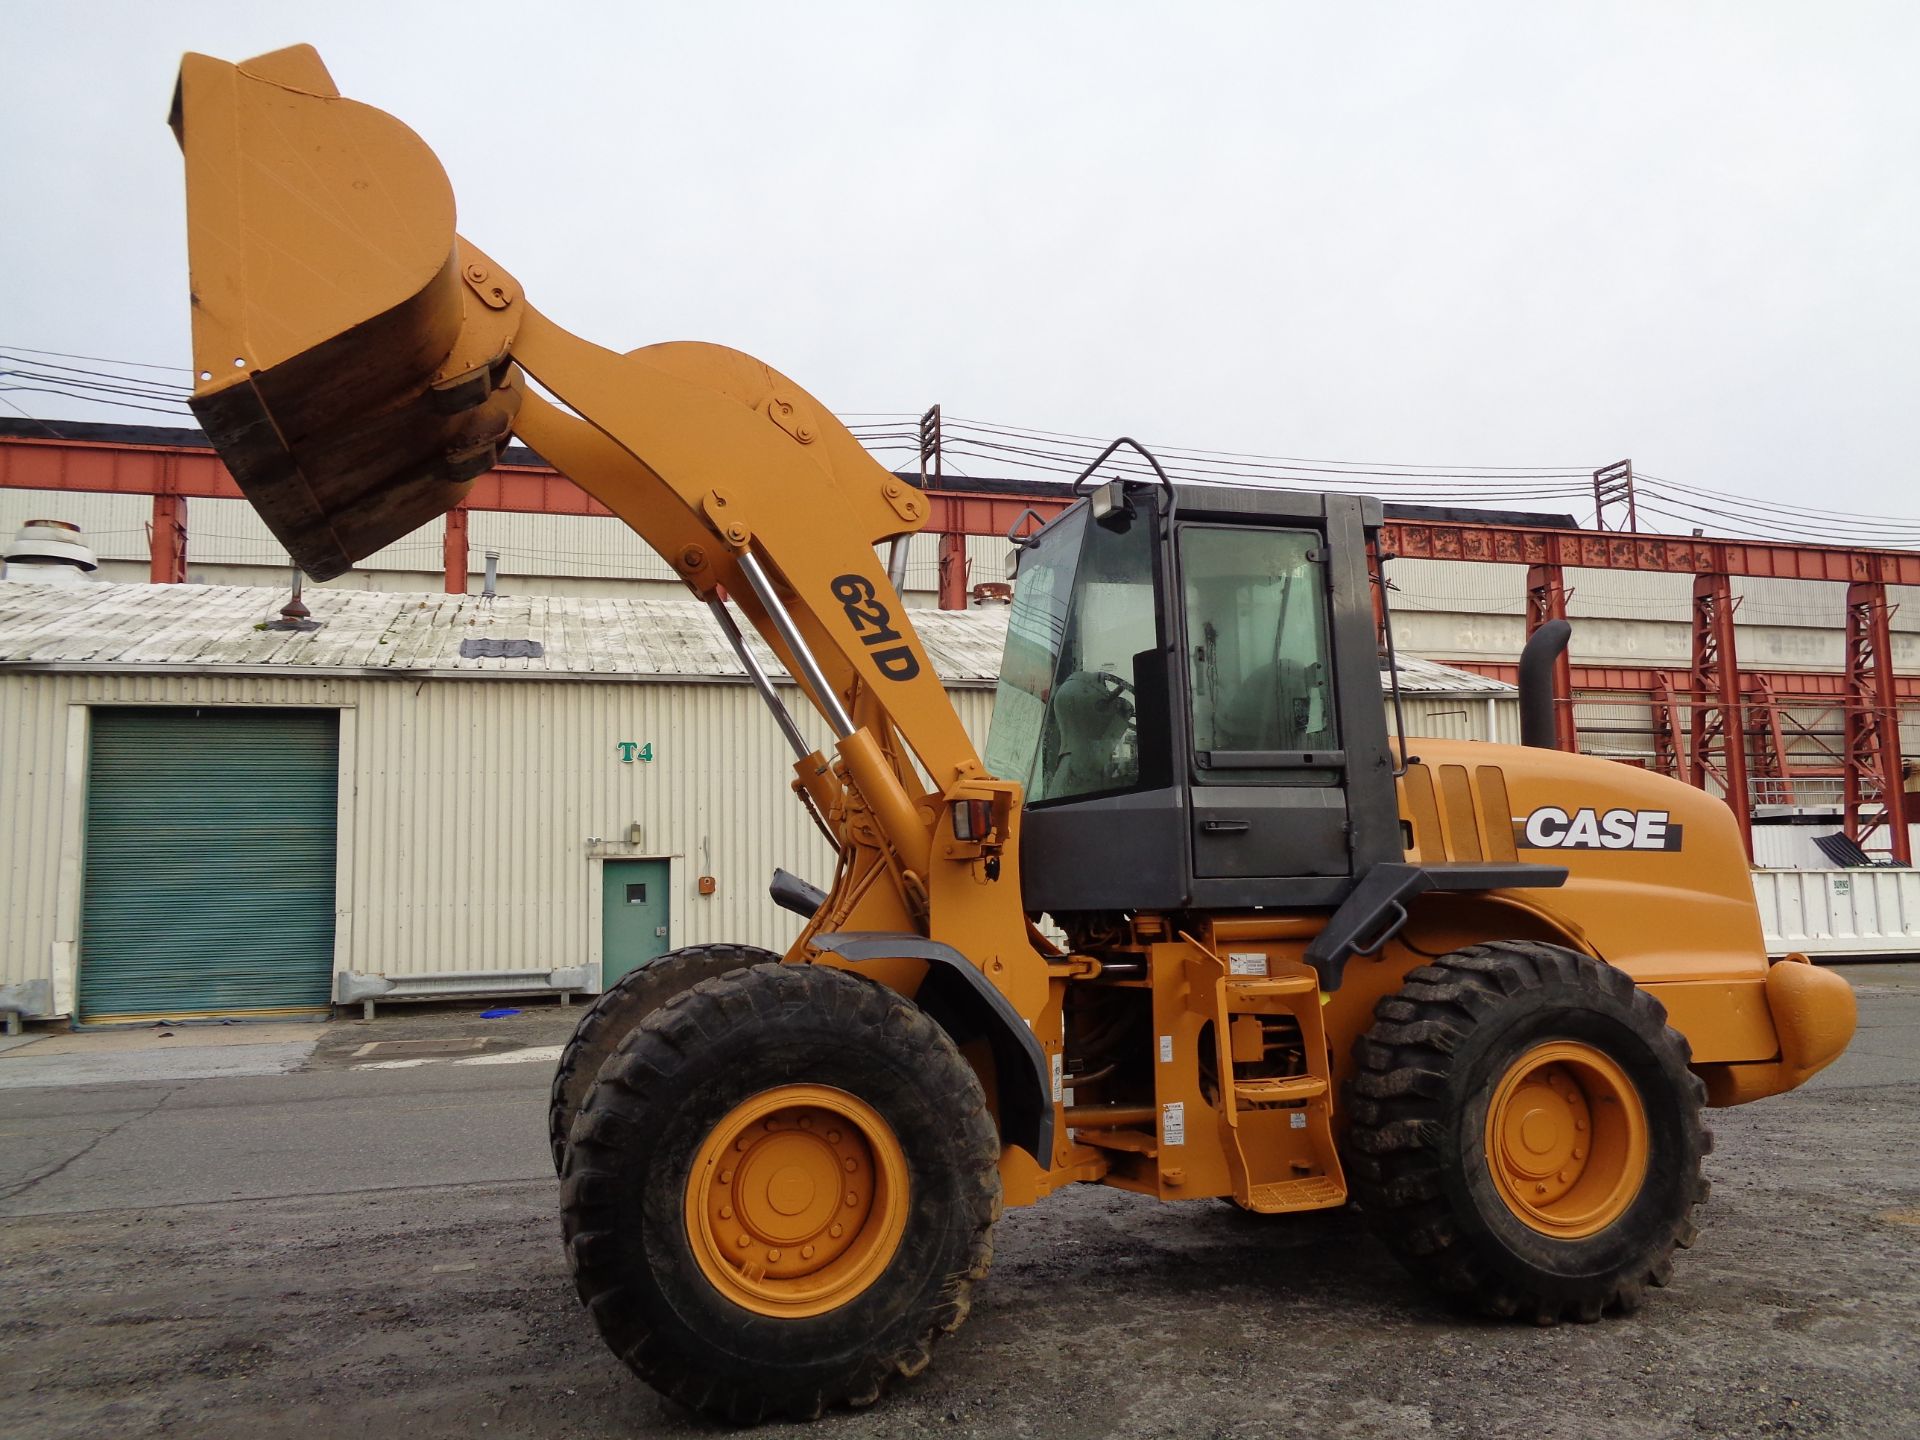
(797, 1200)
(1567, 1140)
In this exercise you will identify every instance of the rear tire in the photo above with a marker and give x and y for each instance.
(620, 1007)
(715, 1125)
(1526, 1135)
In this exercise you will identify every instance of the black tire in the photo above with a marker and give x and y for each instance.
(677, 1077)
(620, 1007)
(1426, 1075)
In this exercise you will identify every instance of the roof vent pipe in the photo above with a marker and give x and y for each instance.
(491, 587)
(294, 615)
(1543, 647)
(50, 551)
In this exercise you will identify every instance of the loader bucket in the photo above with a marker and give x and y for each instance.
(332, 373)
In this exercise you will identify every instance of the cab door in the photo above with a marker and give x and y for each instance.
(1268, 767)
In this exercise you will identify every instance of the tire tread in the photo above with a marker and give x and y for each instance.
(620, 1007)
(1402, 1067)
(648, 1066)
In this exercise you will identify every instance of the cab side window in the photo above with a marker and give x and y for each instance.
(1256, 636)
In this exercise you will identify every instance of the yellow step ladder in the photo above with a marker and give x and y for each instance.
(1277, 1130)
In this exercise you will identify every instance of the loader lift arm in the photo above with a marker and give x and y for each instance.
(358, 363)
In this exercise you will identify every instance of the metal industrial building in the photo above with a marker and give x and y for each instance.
(1784, 676)
(428, 794)
(476, 813)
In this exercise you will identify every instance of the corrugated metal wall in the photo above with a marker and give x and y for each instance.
(468, 811)
(1791, 847)
(1465, 717)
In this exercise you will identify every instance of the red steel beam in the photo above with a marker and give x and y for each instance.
(1872, 728)
(1766, 744)
(114, 468)
(960, 512)
(167, 540)
(1669, 730)
(531, 490)
(453, 551)
(110, 468)
(1788, 686)
(126, 468)
(1671, 554)
(1377, 587)
(1717, 739)
(953, 571)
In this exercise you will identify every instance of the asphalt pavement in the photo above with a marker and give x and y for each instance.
(350, 1230)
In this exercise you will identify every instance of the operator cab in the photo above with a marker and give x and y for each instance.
(1191, 696)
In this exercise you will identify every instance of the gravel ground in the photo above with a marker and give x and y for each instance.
(446, 1310)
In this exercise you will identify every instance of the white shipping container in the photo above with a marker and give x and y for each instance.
(1840, 912)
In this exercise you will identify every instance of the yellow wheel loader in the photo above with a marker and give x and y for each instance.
(1484, 991)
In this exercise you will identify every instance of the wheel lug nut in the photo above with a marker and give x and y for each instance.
(1566, 1174)
(806, 1252)
(726, 1212)
(852, 1199)
(773, 1254)
(1539, 1189)
(726, 1177)
(833, 1137)
(744, 1242)
(1579, 1154)
(849, 1164)
(836, 1230)
(806, 1122)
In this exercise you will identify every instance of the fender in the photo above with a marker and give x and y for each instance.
(965, 1005)
(1374, 911)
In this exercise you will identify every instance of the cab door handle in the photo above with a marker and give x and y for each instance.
(1225, 827)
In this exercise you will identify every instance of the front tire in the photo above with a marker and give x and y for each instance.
(1526, 1133)
(780, 1192)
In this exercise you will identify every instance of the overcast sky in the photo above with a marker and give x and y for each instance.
(1499, 234)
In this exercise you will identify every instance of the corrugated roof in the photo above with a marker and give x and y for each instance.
(1430, 677)
(222, 627)
(158, 627)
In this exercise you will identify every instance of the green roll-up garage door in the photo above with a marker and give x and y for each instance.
(209, 877)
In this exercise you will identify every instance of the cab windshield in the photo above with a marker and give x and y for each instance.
(1064, 712)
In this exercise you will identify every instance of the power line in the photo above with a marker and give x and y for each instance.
(1036, 453)
(98, 359)
(1817, 516)
(91, 399)
(162, 386)
(1292, 462)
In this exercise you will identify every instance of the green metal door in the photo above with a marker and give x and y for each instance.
(633, 915)
(209, 883)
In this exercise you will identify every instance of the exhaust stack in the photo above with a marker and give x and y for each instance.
(1543, 647)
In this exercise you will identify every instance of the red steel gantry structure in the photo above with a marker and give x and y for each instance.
(1714, 724)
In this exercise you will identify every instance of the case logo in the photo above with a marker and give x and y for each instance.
(873, 622)
(1552, 828)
